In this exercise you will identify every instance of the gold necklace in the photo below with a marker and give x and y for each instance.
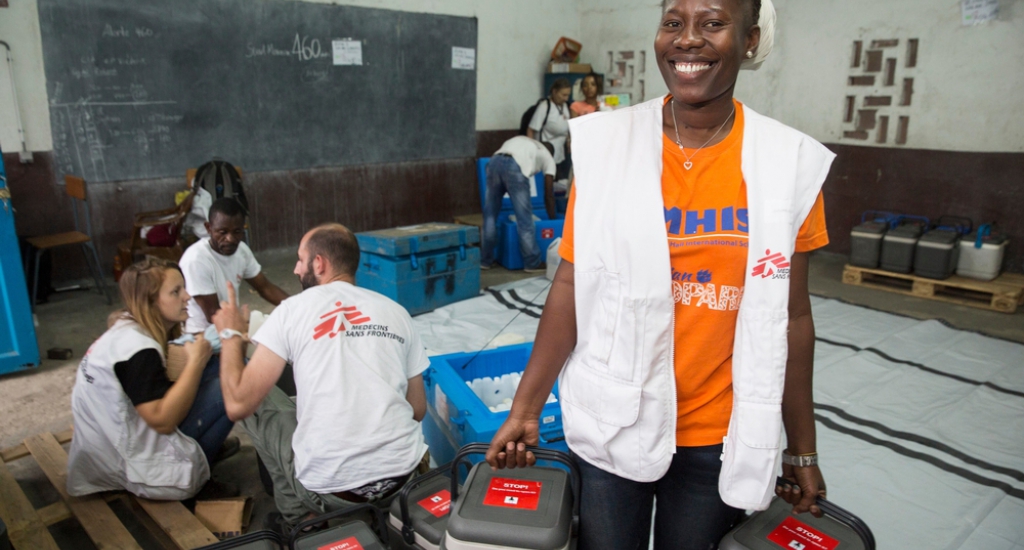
(688, 164)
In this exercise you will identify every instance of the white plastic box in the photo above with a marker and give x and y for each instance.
(981, 263)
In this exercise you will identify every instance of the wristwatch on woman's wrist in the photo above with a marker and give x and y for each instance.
(800, 461)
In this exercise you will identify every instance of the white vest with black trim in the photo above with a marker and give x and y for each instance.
(113, 448)
(618, 387)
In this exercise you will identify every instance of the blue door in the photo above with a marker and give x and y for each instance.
(18, 347)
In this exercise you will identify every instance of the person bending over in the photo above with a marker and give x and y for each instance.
(679, 321)
(352, 435)
(511, 171)
(134, 429)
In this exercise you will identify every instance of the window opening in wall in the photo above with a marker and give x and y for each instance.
(890, 71)
(912, 52)
(866, 119)
(908, 91)
(858, 134)
(874, 61)
(877, 100)
(883, 129)
(887, 43)
(858, 47)
(851, 102)
(901, 130)
(862, 80)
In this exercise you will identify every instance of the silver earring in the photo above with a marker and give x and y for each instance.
(750, 54)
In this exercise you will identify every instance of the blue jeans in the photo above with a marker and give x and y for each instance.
(207, 421)
(616, 512)
(504, 175)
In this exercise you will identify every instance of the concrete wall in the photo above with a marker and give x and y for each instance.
(515, 39)
(967, 83)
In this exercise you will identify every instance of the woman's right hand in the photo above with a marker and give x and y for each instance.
(199, 351)
(508, 447)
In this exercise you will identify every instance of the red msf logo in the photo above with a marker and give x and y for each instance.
(335, 321)
(767, 266)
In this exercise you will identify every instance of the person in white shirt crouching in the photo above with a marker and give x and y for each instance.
(352, 435)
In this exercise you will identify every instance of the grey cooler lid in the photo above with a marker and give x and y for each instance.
(869, 229)
(424, 510)
(545, 525)
(777, 528)
(353, 530)
(940, 236)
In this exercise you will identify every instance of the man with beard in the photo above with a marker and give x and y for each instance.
(352, 435)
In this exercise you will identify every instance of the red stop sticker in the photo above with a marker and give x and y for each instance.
(547, 233)
(521, 494)
(348, 544)
(792, 534)
(437, 503)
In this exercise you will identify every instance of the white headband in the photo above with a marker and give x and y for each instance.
(765, 20)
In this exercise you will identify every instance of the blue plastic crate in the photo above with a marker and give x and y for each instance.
(510, 256)
(421, 267)
(458, 416)
(536, 201)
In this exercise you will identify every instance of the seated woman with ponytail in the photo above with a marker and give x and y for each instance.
(134, 428)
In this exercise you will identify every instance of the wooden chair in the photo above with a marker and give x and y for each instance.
(75, 188)
(174, 217)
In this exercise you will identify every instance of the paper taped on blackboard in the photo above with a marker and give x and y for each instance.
(463, 58)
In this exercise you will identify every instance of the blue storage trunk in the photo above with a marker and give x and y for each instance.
(510, 256)
(422, 267)
(456, 416)
(536, 201)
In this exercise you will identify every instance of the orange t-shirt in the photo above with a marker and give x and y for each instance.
(706, 219)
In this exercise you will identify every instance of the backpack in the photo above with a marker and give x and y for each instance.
(524, 122)
(221, 179)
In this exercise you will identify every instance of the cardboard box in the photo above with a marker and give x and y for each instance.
(225, 518)
(579, 68)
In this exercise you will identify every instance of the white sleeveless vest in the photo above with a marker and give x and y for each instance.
(618, 386)
(113, 448)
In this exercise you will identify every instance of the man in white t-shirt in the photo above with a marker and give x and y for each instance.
(511, 170)
(223, 256)
(352, 435)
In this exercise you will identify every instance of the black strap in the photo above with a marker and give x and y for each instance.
(547, 113)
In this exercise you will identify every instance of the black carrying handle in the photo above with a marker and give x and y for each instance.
(382, 528)
(403, 500)
(541, 454)
(840, 514)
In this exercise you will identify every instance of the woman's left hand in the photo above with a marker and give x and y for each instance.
(808, 486)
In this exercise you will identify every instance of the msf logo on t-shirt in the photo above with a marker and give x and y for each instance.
(335, 321)
(775, 266)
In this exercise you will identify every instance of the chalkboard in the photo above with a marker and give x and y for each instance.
(148, 88)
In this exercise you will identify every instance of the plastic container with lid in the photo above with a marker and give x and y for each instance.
(355, 534)
(535, 507)
(257, 540)
(898, 244)
(937, 251)
(866, 238)
(419, 515)
(981, 254)
(777, 528)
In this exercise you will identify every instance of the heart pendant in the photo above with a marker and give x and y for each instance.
(687, 165)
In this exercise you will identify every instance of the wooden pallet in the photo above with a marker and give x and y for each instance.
(1003, 294)
(171, 524)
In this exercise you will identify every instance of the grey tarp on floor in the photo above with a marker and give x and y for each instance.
(920, 426)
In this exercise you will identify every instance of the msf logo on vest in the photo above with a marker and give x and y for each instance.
(335, 321)
(775, 266)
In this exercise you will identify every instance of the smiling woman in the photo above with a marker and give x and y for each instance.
(679, 320)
